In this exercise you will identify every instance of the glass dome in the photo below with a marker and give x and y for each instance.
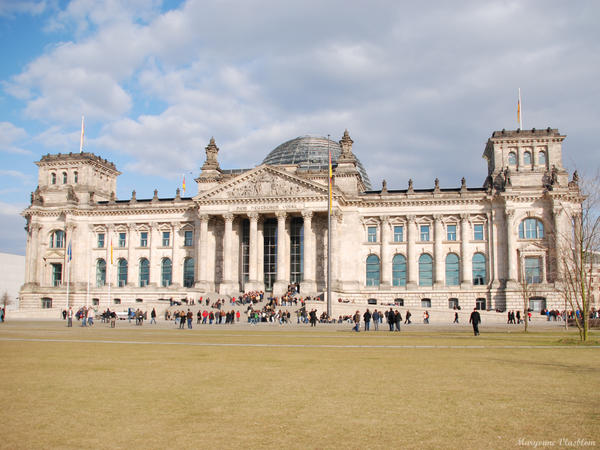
(311, 153)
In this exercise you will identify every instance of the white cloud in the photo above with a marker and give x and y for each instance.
(10, 135)
(10, 8)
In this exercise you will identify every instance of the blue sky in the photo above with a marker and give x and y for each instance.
(420, 88)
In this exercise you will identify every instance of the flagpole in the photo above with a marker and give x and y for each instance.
(329, 303)
(109, 270)
(81, 141)
(68, 279)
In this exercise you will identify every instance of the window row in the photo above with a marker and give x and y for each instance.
(452, 270)
(166, 272)
(188, 239)
(425, 233)
(527, 158)
(64, 176)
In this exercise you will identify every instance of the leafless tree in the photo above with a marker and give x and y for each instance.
(5, 300)
(579, 253)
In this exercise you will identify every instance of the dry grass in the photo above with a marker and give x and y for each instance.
(100, 395)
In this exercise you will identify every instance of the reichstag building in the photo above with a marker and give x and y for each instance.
(265, 227)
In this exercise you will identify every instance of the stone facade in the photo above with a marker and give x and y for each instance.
(414, 247)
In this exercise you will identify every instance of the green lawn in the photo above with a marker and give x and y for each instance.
(294, 388)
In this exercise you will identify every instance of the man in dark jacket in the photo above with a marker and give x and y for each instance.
(475, 319)
(367, 319)
(391, 318)
(397, 319)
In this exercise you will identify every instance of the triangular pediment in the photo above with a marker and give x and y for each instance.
(264, 182)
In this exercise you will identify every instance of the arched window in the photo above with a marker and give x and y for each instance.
(65, 178)
(452, 270)
(57, 239)
(167, 272)
(512, 159)
(531, 229)
(542, 158)
(527, 158)
(53, 178)
(425, 270)
(479, 275)
(144, 272)
(100, 273)
(373, 272)
(188, 272)
(122, 272)
(75, 177)
(399, 270)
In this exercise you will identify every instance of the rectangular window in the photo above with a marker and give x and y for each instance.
(399, 233)
(533, 270)
(478, 232)
(424, 233)
(372, 234)
(188, 238)
(144, 239)
(122, 239)
(451, 232)
(46, 303)
(100, 240)
(56, 274)
(166, 238)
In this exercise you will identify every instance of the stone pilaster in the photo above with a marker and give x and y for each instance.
(466, 275)
(386, 262)
(308, 284)
(439, 261)
(411, 256)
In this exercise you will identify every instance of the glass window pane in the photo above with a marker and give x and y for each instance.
(144, 239)
(166, 272)
(188, 272)
(452, 270)
(373, 270)
(425, 270)
(166, 239)
(399, 270)
(424, 233)
(478, 232)
(398, 233)
(188, 238)
(479, 269)
(451, 232)
(372, 234)
(144, 272)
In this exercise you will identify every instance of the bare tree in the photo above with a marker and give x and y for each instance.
(528, 290)
(5, 300)
(579, 253)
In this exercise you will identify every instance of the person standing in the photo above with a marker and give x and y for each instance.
(391, 318)
(367, 318)
(475, 320)
(70, 317)
(357, 322)
(376, 320)
(397, 319)
(153, 316)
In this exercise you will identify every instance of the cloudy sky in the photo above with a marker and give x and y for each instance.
(419, 87)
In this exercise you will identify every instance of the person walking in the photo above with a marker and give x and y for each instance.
(455, 317)
(397, 319)
(153, 316)
(475, 320)
(407, 320)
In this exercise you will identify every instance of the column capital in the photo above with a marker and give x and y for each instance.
(204, 217)
(281, 215)
(437, 217)
(464, 217)
(384, 219)
(411, 218)
(253, 215)
(307, 215)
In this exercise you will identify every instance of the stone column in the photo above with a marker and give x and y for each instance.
(260, 251)
(386, 263)
(155, 241)
(281, 284)
(202, 255)
(227, 285)
(438, 236)
(511, 247)
(177, 260)
(466, 275)
(558, 243)
(308, 285)
(252, 283)
(411, 256)
(336, 220)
